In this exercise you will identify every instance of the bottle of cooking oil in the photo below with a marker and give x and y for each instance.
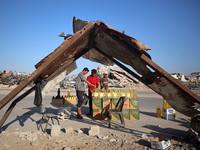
(114, 93)
(118, 93)
(108, 93)
(158, 112)
(134, 93)
(123, 92)
(128, 94)
(101, 93)
(95, 93)
(68, 94)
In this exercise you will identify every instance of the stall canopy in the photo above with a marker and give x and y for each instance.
(101, 43)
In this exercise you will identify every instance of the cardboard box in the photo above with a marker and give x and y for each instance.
(106, 103)
(97, 114)
(96, 103)
(160, 143)
(126, 115)
(134, 114)
(114, 102)
(56, 101)
(126, 103)
(134, 103)
(169, 114)
(70, 102)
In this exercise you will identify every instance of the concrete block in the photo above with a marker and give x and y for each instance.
(94, 130)
(55, 130)
(69, 129)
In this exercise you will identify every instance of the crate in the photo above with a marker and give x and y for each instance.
(106, 103)
(70, 102)
(134, 103)
(126, 115)
(134, 114)
(57, 101)
(96, 103)
(126, 103)
(97, 114)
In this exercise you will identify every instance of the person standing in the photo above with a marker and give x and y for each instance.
(95, 81)
(104, 81)
(80, 89)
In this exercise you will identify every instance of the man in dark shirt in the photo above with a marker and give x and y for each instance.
(80, 89)
(104, 80)
(95, 81)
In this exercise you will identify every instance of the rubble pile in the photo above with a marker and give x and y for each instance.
(194, 77)
(194, 81)
(8, 78)
(116, 78)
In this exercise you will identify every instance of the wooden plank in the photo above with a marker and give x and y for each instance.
(118, 63)
(66, 46)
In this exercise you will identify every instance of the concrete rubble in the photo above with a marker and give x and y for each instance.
(117, 78)
(9, 78)
(107, 141)
(121, 79)
(192, 81)
(55, 130)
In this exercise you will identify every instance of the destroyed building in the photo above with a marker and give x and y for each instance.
(117, 78)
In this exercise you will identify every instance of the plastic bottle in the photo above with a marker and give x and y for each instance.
(128, 94)
(158, 112)
(68, 92)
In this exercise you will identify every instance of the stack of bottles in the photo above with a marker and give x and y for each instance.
(104, 99)
(69, 99)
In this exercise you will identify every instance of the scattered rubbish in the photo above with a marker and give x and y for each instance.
(160, 143)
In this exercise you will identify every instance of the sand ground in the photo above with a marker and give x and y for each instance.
(137, 134)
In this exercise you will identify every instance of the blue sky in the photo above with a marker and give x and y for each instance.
(29, 29)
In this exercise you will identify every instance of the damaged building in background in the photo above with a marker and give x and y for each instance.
(9, 78)
(117, 78)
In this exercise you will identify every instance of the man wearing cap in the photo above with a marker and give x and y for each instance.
(104, 80)
(95, 81)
